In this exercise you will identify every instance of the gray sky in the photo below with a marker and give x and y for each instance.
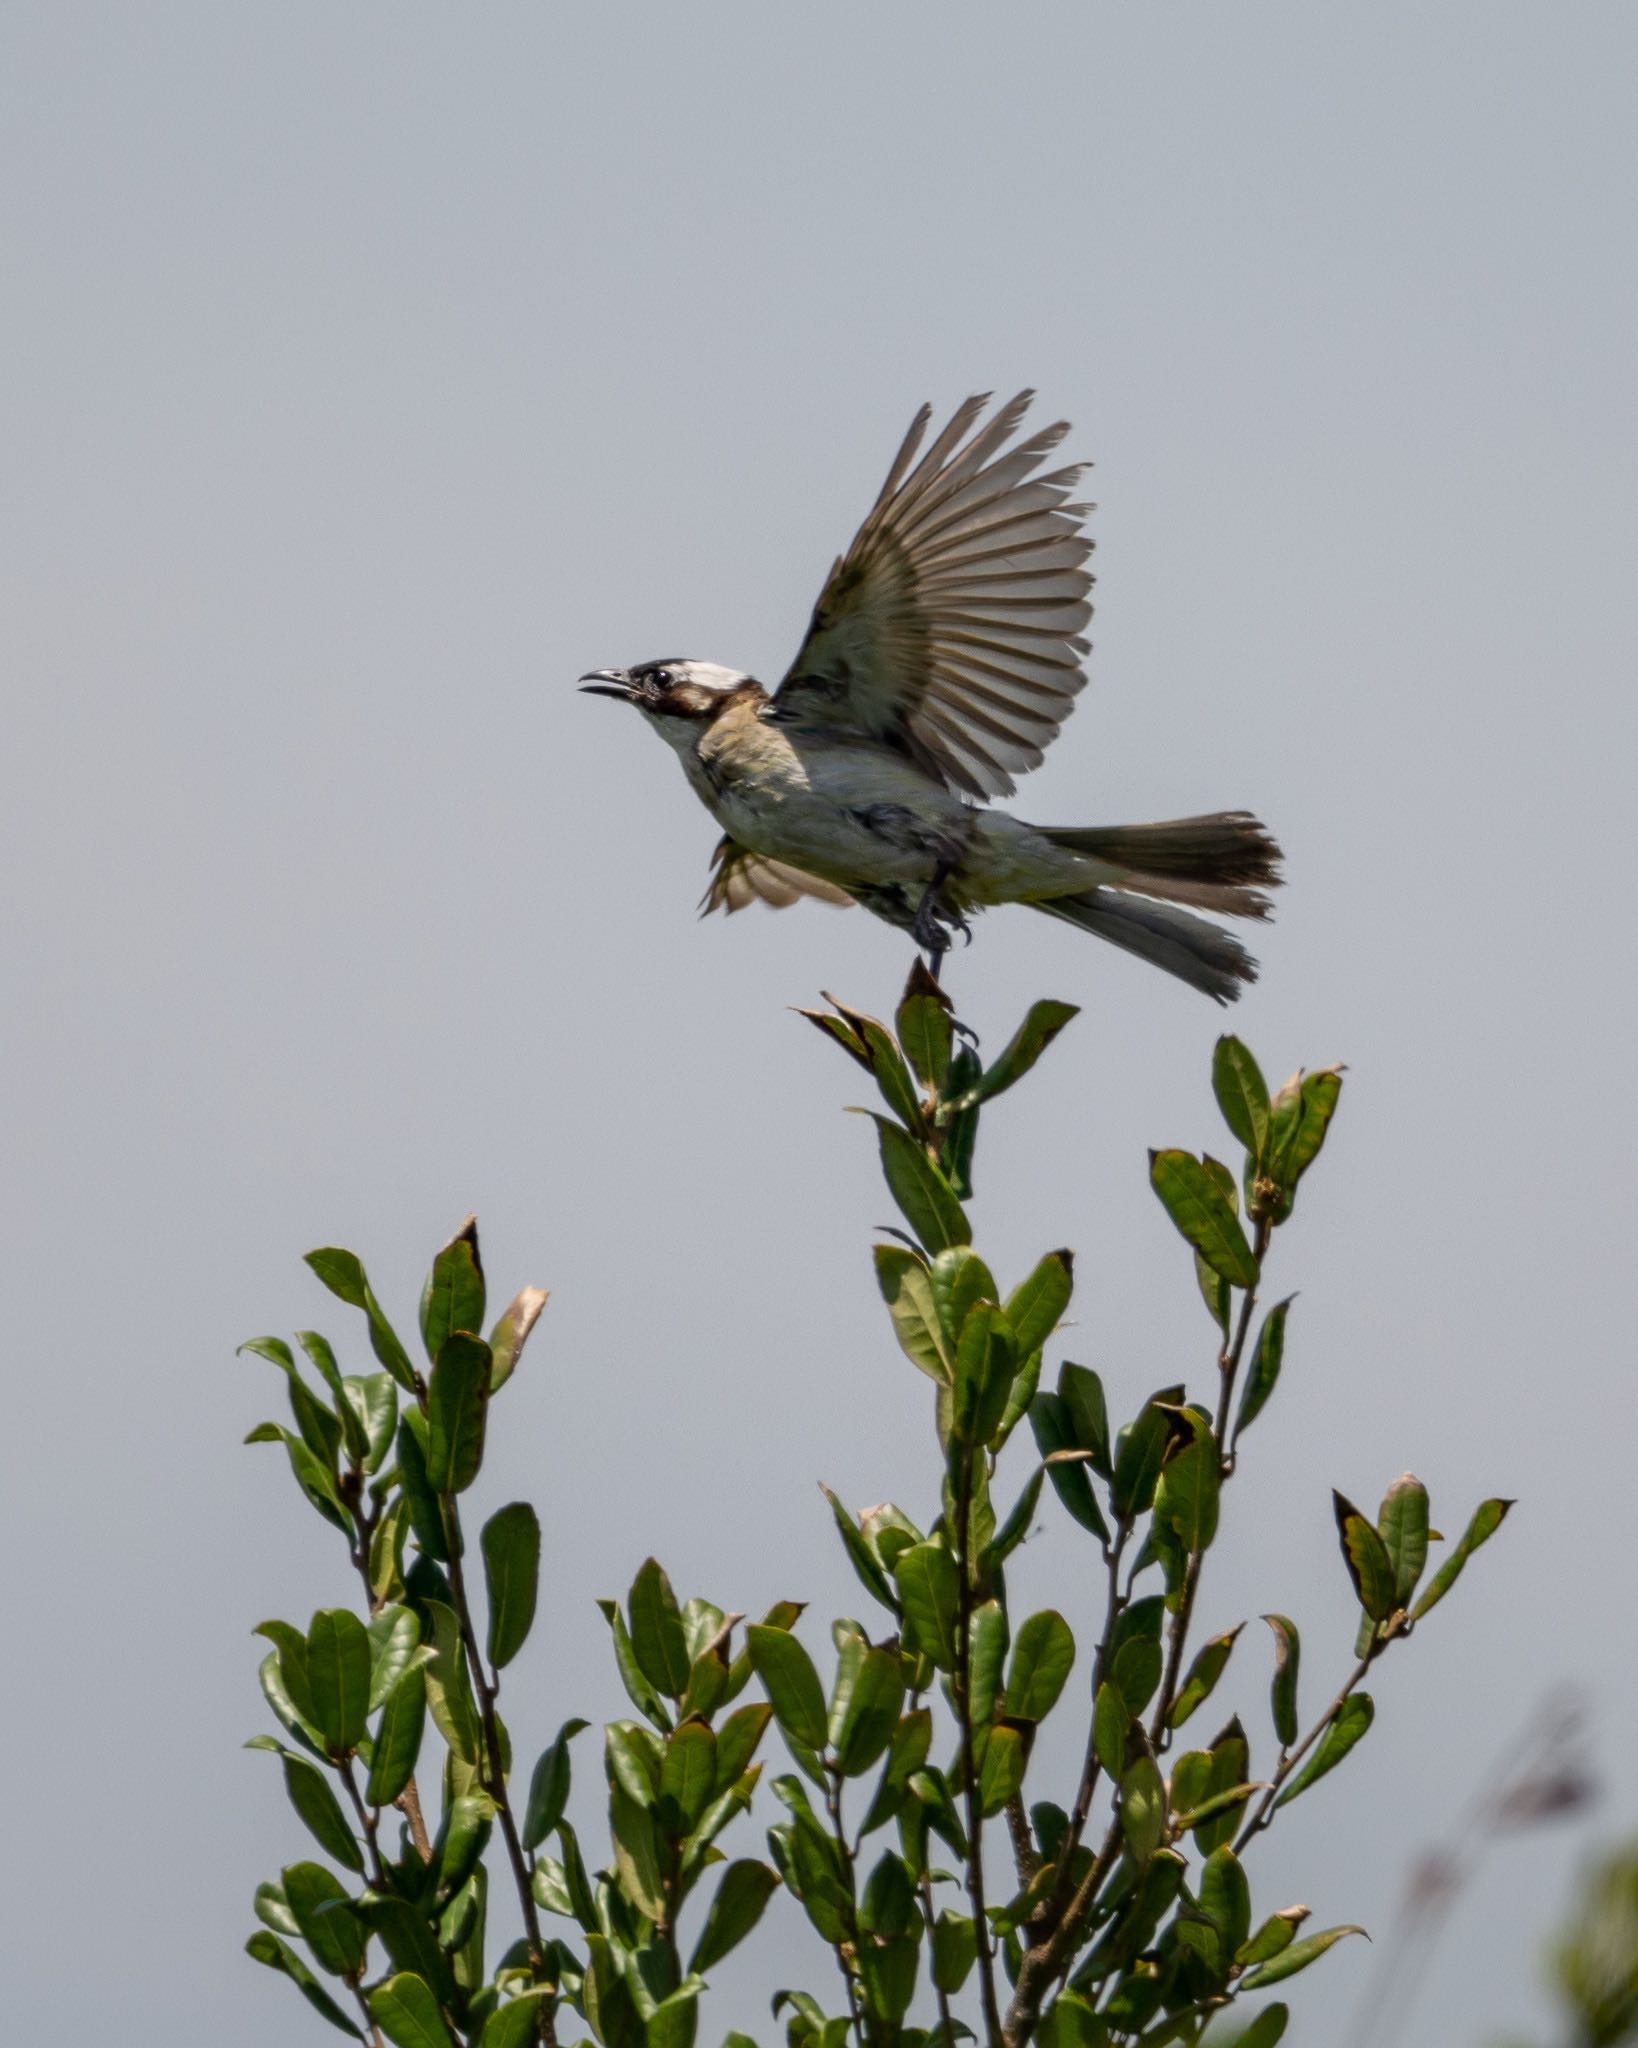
(370, 373)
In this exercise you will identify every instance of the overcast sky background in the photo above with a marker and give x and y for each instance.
(370, 373)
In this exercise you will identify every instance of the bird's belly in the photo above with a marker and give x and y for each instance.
(879, 842)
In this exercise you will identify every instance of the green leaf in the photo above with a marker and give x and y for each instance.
(1110, 1722)
(407, 2013)
(457, 1403)
(1225, 1898)
(791, 1683)
(955, 1950)
(398, 1738)
(1070, 2022)
(1036, 1306)
(740, 1901)
(892, 1076)
(1366, 1557)
(1267, 2029)
(1317, 1105)
(1042, 1658)
(923, 1025)
(1242, 1094)
(372, 1403)
(1081, 1391)
(1212, 1808)
(1203, 1674)
(449, 1686)
(1297, 1957)
(1134, 1651)
(1283, 1694)
(343, 1273)
(273, 1909)
(960, 1281)
(453, 1298)
(986, 1657)
(310, 1793)
(1266, 1360)
(426, 1516)
(907, 1288)
(1140, 1450)
(311, 1474)
(1275, 1935)
(688, 1773)
(1016, 1527)
(871, 1712)
(985, 1362)
(1186, 1494)
(1039, 1028)
(1197, 1205)
(1006, 1756)
(394, 1636)
(1215, 1816)
(642, 1695)
(1054, 1430)
(907, 1752)
(1216, 1293)
(324, 1913)
(1487, 1519)
(549, 1786)
(511, 1333)
(1343, 1730)
(636, 1854)
(511, 1564)
(737, 1741)
(338, 1677)
(1403, 1523)
(920, 1190)
(462, 1839)
(657, 1633)
(515, 2024)
(1143, 1809)
(266, 1947)
(928, 1593)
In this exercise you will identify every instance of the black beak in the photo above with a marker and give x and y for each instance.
(609, 682)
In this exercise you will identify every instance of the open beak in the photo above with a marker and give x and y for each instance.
(609, 682)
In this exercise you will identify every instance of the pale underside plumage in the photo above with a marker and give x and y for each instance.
(952, 626)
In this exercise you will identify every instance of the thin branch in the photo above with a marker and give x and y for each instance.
(493, 1772)
(368, 2017)
(969, 1774)
(367, 1820)
(1289, 1762)
(833, 1806)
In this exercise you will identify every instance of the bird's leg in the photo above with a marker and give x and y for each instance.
(934, 920)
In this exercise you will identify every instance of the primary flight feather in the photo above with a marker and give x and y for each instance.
(944, 653)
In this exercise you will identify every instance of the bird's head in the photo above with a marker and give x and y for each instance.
(679, 698)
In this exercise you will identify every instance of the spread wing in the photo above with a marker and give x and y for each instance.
(951, 627)
(739, 876)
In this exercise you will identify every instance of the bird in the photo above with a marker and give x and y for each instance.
(945, 651)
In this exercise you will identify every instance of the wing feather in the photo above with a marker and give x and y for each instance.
(740, 877)
(952, 627)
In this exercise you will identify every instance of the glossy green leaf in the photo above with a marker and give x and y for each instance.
(516, 2024)
(343, 1273)
(1227, 1774)
(1196, 1203)
(657, 1633)
(1070, 2022)
(1225, 1898)
(1006, 1756)
(1343, 1730)
(407, 2013)
(398, 1738)
(921, 1191)
(1111, 1719)
(1297, 1957)
(1036, 1306)
(1054, 1429)
(453, 1298)
(273, 1910)
(511, 1564)
(1042, 1657)
(1266, 1360)
(866, 1725)
(1215, 1805)
(987, 1638)
(1316, 1106)
(955, 1950)
(425, 1514)
(1186, 1493)
(688, 1774)
(1403, 1525)
(1016, 1527)
(1275, 1935)
(1267, 2029)
(338, 1677)
(907, 1752)
(791, 1683)
(311, 1794)
(737, 1740)
(1081, 1391)
(1487, 1519)
(549, 1786)
(860, 1555)
(511, 1333)
(1283, 1696)
(324, 1913)
(986, 1359)
(740, 1900)
(457, 1406)
(906, 1286)
(1242, 1093)
(462, 1839)
(311, 1474)
(1209, 1663)
(449, 1685)
(1366, 1557)
(1143, 1809)
(266, 1947)
(923, 1025)
(394, 1636)
(641, 1693)
(887, 1066)
(1140, 1450)
(888, 1907)
(1040, 1027)
(960, 1280)
(929, 1589)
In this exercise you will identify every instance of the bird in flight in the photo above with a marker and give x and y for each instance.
(944, 653)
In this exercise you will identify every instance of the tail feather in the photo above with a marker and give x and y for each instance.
(1202, 954)
(1220, 862)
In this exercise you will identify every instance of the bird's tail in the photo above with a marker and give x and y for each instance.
(1221, 862)
(1205, 956)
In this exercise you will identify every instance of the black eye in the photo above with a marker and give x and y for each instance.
(662, 679)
